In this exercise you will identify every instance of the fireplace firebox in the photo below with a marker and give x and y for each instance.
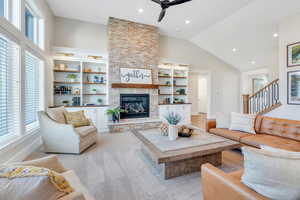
(136, 105)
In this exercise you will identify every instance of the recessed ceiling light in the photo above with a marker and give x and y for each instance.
(234, 49)
(253, 62)
(275, 35)
(141, 10)
(187, 21)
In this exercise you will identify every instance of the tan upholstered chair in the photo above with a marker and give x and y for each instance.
(59, 137)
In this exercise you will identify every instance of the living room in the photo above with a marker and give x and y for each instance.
(149, 99)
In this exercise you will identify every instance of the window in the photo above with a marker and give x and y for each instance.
(30, 25)
(9, 89)
(32, 91)
(2, 8)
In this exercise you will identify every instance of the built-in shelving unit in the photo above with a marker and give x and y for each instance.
(80, 80)
(173, 83)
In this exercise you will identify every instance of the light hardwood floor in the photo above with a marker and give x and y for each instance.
(115, 169)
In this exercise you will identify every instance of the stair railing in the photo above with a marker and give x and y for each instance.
(262, 101)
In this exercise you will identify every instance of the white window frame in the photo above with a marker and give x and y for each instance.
(38, 26)
(12, 28)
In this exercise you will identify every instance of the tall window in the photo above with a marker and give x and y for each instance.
(9, 89)
(30, 24)
(32, 91)
(3, 5)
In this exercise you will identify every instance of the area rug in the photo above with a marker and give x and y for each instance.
(164, 144)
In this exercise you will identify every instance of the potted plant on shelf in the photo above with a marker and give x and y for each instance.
(72, 77)
(173, 119)
(100, 101)
(94, 91)
(65, 103)
(115, 113)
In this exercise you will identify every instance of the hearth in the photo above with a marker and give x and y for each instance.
(136, 105)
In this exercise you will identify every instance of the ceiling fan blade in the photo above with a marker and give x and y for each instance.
(162, 15)
(177, 2)
(157, 1)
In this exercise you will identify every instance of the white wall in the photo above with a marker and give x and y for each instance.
(80, 35)
(289, 32)
(224, 80)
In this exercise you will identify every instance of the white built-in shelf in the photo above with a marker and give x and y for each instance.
(173, 78)
(91, 74)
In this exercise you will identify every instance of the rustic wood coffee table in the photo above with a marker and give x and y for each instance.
(183, 161)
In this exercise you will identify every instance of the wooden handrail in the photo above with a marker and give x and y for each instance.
(264, 100)
(271, 83)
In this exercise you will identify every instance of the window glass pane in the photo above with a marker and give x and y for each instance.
(2, 8)
(29, 22)
(32, 93)
(9, 88)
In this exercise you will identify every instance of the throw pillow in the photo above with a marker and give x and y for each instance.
(275, 175)
(242, 122)
(164, 129)
(57, 114)
(223, 120)
(27, 183)
(78, 119)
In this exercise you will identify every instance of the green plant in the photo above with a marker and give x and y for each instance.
(94, 90)
(173, 118)
(115, 111)
(72, 76)
(65, 102)
(99, 101)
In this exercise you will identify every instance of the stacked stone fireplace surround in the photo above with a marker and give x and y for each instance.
(133, 45)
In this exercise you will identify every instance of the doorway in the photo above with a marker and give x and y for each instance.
(199, 86)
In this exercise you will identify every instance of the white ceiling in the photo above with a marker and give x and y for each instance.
(216, 25)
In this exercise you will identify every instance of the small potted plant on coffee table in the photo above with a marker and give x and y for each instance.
(115, 113)
(173, 119)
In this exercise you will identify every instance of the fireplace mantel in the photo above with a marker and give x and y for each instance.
(131, 85)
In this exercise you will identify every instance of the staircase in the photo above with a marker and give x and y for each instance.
(263, 101)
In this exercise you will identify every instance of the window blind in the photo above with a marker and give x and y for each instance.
(32, 91)
(9, 88)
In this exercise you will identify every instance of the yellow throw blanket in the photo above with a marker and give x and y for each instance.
(57, 180)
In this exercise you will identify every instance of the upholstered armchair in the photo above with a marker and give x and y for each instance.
(59, 137)
(53, 163)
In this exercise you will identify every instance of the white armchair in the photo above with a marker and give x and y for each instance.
(59, 137)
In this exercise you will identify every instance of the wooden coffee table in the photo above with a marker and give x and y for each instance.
(186, 160)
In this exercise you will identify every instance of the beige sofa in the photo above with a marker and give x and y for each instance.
(52, 162)
(59, 137)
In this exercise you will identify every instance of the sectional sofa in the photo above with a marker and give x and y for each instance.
(274, 132)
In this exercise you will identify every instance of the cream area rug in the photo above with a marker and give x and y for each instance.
(164, 144)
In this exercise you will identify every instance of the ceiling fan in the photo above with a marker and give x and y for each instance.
(166, 4)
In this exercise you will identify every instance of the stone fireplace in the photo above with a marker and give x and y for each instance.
(133, 45)
(135, 105)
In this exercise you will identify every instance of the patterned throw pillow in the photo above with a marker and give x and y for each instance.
(28, 182)
(78, 119)
(164, 129)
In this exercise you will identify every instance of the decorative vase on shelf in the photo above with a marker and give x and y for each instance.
(173, 132)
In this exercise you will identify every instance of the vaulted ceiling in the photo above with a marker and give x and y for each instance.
(218, 26)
